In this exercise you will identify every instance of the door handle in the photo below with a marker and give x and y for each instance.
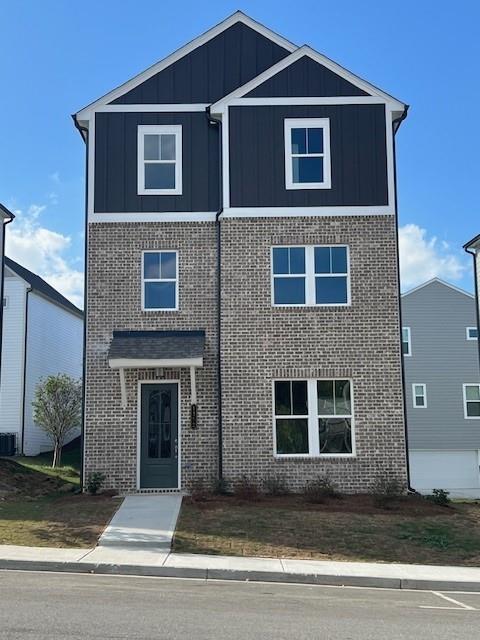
(176, 448)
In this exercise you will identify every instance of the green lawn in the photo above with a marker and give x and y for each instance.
(68, 471)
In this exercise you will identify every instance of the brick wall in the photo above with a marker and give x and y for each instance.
(259, 343)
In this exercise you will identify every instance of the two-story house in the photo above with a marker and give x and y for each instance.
(6, 216)
(442, 388)
(242, 272)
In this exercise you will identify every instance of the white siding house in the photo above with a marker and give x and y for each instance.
(6, 216)
(42, 335)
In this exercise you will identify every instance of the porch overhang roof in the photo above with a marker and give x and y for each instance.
(154, 349)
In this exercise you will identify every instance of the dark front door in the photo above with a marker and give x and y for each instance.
(159, 436)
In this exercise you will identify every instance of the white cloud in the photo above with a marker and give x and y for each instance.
(423, 258)
(55, 177)
(43, 252)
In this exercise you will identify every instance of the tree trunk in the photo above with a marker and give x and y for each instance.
(57, 455)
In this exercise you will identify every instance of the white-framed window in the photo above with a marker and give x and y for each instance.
(160, 159)
(310, 276)
(313, 418)
(406, 341)
(160, 281)
(419, 395)
(471, 401)
(307, 153)
(472, 333)
(5, 302)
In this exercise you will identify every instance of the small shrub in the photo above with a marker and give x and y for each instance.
(385, 490)
(220, 487)
(440, 497)
(275, 486)
(246, 489)
(319, 490)
(200, 492)
(95, 481)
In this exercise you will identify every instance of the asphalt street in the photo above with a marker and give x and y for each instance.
(56, 606)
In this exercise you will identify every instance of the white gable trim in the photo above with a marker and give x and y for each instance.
(238, 16)
(438, 281)
(219, 107)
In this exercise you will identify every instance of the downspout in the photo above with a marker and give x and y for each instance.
(398, 121)
(475, 275)
(2, 282)
(84, 133)
(216, 121)
(25, 348)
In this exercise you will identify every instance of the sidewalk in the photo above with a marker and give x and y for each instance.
(151, 562)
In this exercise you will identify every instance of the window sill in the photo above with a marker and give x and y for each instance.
(306, 456)
(312, 307)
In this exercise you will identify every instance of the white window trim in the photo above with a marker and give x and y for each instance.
(409, 342)
(305, 123)
(144, 280)
(310, 275)
(468, 329)
(159, 129)
(414, 396)
(465, 385)
(313, 416)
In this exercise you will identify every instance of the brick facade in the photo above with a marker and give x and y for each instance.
(259, 343)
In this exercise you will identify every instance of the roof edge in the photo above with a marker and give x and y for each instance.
(438, 281)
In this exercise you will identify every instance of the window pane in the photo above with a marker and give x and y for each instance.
(297, 260)
(289, 290)
(315, 140)
(151, 265)
(307, 169)
(283, 405)
(167, 146)
(418, 390)
(335, 435)
(405, 348)
(292, 435)
(159, 176)
(280, 260)
(331, 290)
(151, 147)
(339, 259)
(419, 401)
(472, 392)
(160, 295)
(342, 397)
(473, 333)
(169, 264)
(299, 141)
(326, 405)
(299, 395)
(322, 260)
(473, 409)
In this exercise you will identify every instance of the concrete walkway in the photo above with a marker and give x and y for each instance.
(147, 561)
(143, 521)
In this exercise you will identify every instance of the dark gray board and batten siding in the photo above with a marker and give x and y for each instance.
(358, 156)
(211, 71)
(116, 164)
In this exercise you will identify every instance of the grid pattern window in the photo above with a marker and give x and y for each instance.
(307, 153)
(160, 159)
(471, 401)
(310, 276)
(406, 341)
(160, 281)
(419, 394)
(472, 333)
(313, 418)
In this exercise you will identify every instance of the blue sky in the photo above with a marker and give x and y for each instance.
(57, 56)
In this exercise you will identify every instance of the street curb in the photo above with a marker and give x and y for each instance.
(239, 575)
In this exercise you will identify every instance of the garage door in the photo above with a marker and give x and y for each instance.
(455, 471)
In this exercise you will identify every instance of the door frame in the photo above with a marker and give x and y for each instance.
(139, 432)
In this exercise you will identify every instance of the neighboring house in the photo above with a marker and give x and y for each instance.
(242, 273)
(6, 216)
(473, 248)
(442, 388)
(42, 335)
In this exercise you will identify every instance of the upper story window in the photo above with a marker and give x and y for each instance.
(419, 393)
(471, 401)
(307, 153)
(159, 159)
(310, 276)
(160, 281)
(406, 341)
(472, 333)
(313, 418)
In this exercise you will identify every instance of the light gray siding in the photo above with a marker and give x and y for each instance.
(442, 359)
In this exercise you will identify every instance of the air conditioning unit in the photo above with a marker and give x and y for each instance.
(8, 444)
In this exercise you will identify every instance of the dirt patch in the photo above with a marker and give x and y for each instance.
(17, 482)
